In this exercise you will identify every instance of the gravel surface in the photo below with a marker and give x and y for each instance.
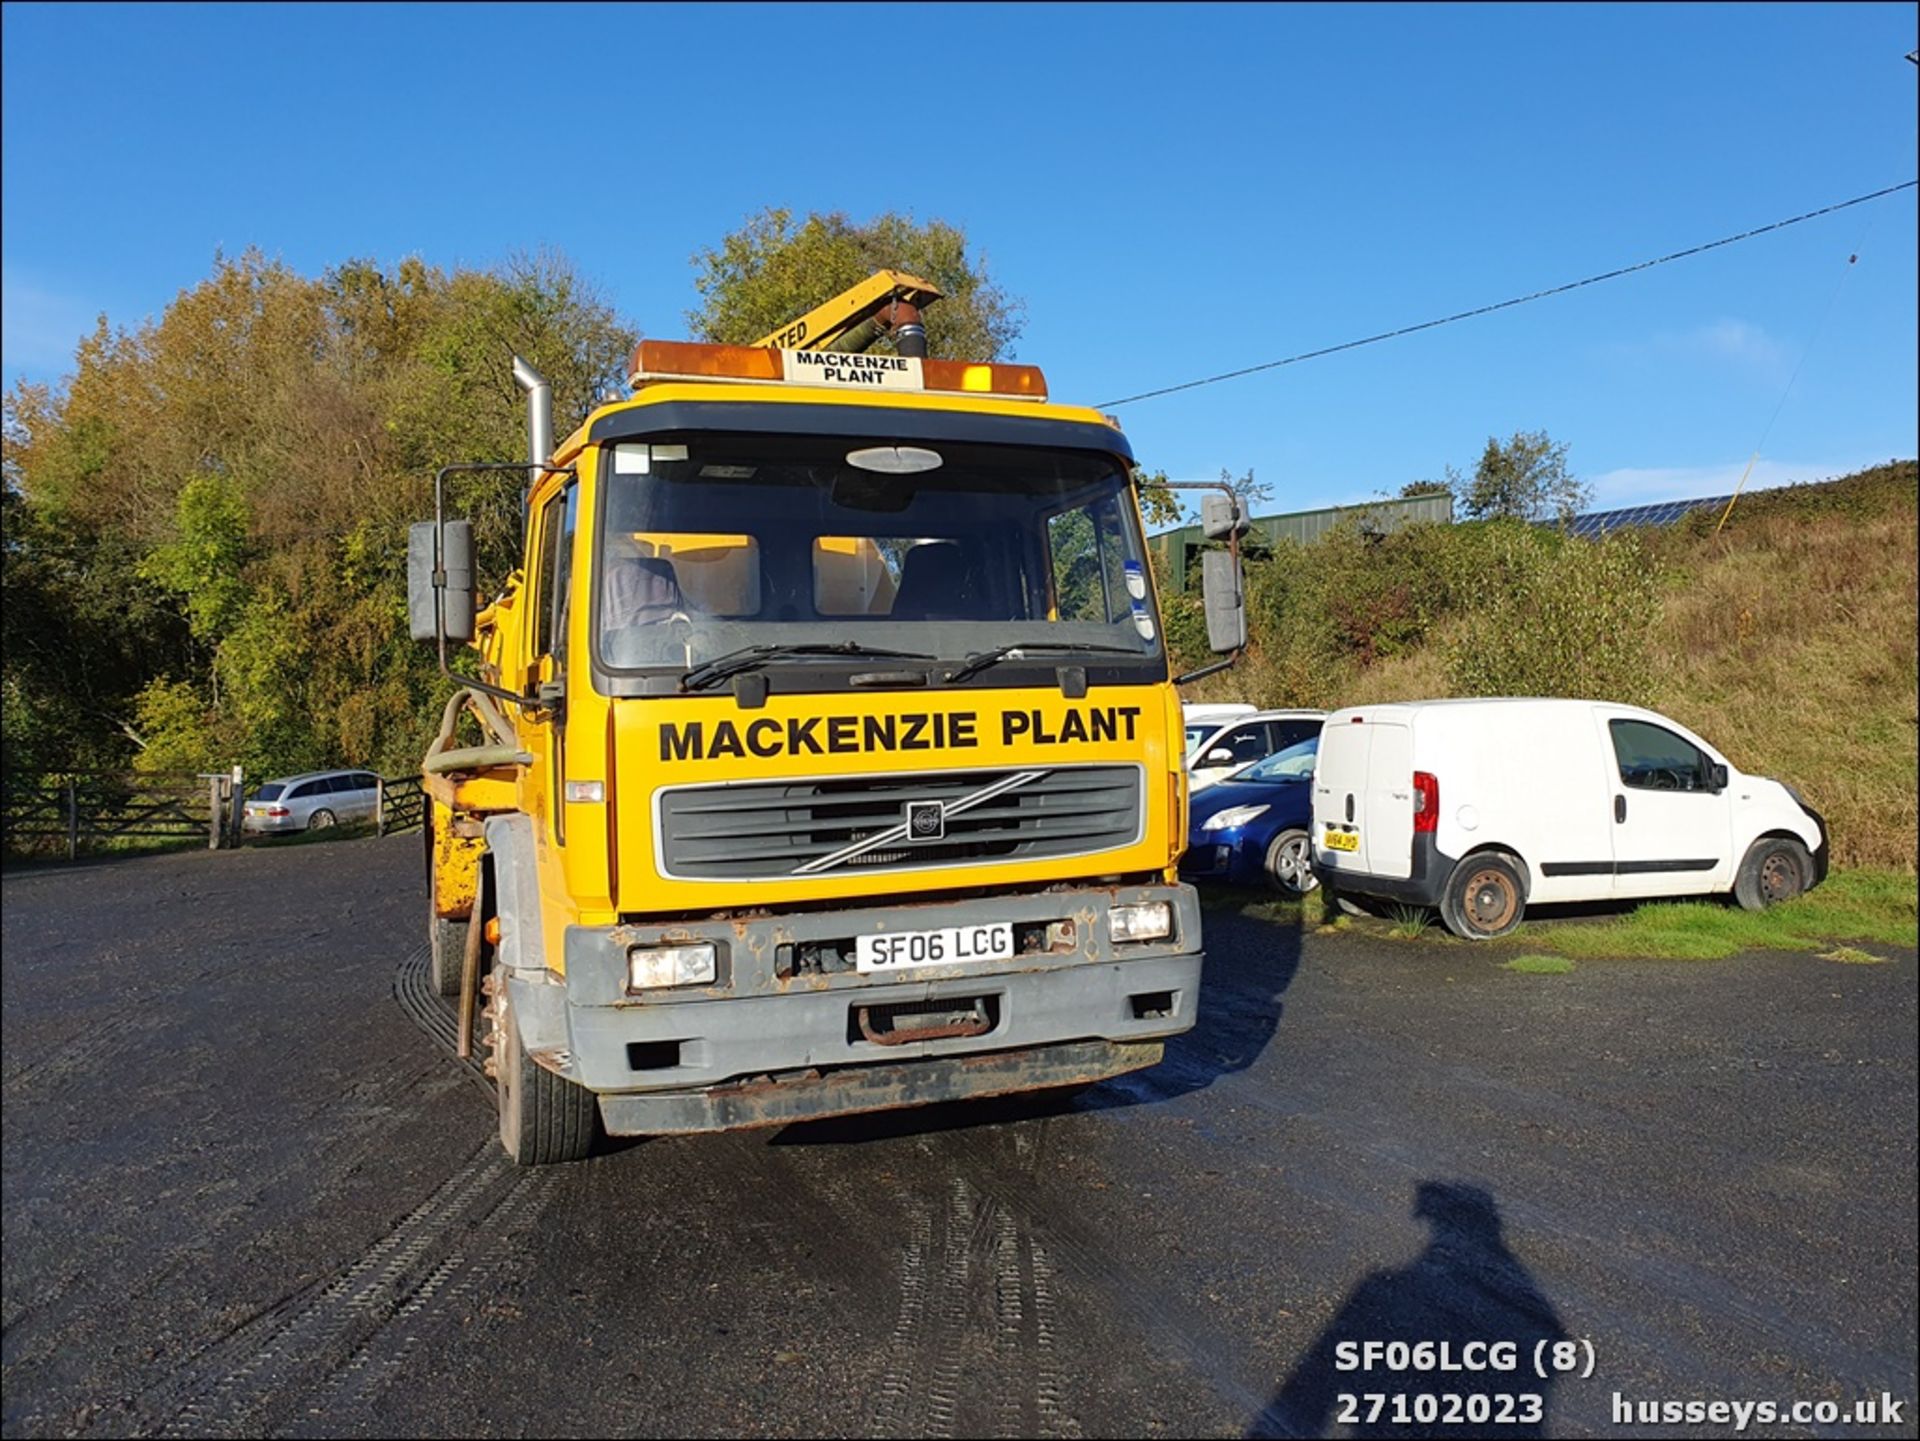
(247, 1190)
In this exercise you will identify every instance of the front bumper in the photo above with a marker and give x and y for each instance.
(1229, 855)
(1822, 853)
(786, 1034)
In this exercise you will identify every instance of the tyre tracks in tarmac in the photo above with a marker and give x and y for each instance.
(333, 1347)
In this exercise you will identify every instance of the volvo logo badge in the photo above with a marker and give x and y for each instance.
(926, 821)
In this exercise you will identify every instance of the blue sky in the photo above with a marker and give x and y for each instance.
(1173, 191)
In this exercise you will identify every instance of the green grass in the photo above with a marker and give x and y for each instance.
(1539, 965)
(1861, 905)
(1410, 923)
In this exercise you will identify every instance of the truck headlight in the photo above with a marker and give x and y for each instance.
(1230, 817)
(1149, 921)
(651, 967)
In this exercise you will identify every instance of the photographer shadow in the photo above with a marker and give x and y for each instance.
(1465, 1287)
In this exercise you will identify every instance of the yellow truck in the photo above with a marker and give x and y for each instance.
(828, 758)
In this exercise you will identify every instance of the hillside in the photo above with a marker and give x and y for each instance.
(1789, 639)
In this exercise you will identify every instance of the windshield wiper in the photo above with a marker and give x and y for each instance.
(974, 664)
(752, 657)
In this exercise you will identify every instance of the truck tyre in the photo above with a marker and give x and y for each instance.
(1290, 863)
(1774, 869)
(545, 1120)
(1484, 897)
(448, 946)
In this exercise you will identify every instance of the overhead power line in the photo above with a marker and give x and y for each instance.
(1509, 304)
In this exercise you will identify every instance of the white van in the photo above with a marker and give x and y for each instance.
(1478, 807)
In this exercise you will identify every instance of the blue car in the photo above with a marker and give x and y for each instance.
(1254, 827)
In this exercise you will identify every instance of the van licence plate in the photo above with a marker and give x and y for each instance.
(948, 946)
(1343, 840)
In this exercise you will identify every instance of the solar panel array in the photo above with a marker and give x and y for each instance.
(1664, 512)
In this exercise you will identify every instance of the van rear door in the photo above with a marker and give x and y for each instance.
(1386, 832)
(1339, 781)
(1363, 796)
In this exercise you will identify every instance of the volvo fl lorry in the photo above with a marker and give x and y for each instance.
(821, 755)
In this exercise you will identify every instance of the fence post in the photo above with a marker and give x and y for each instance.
(216, 807)
(379, 805)
(236, 808)
(73, 820)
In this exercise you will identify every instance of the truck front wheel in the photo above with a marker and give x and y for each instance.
(447, 943)
(545, 1119)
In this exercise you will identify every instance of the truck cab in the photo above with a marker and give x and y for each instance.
(832, 760)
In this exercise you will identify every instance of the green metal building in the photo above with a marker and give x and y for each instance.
(1177, 548)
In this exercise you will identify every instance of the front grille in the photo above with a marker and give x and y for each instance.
(780, 828)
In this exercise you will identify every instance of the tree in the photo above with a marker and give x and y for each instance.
(1415, 488)
(206, 523)
(1525, 478)
(773, 269)
(1159, 506)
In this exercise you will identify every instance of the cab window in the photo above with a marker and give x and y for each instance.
(556, 550)
(1653, 758)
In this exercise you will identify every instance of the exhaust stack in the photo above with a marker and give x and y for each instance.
(539, 417)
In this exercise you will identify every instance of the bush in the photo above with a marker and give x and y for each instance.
(1573, 619)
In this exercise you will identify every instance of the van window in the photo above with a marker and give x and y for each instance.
(1653, 758)
(269, 792)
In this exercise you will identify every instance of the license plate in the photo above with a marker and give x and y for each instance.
(1343, 840)
(949, 946)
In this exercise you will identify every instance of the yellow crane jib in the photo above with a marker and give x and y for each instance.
(886, 302)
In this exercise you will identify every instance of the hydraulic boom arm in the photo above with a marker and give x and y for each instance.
(888, 301)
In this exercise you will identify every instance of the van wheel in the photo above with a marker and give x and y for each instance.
(1290, 863)
(1485, 897)
(545, 1120)
(1775, 869)
(320, 820)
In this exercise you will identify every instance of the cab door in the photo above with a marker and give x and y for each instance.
(1672, 828)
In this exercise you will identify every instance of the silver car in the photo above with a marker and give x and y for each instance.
(311, 802)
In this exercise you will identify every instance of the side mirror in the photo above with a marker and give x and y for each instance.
(1717, 778)
(1222, 516)
(1219, 756)
(1225, 605)
(446, 607)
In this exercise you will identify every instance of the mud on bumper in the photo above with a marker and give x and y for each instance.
(792, 1031)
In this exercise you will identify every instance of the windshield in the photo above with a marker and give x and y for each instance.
(1197, 733)
(716, 542)
(1295, 763)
